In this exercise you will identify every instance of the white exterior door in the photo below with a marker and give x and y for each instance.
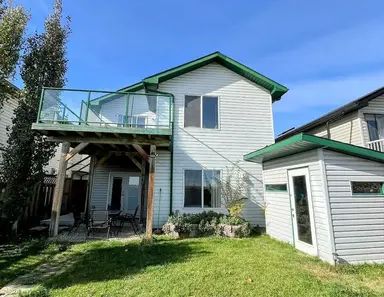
(302, 211)
(131, 193)
(124, 192)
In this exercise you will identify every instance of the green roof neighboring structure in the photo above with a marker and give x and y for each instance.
(304, 142)
(151, 82)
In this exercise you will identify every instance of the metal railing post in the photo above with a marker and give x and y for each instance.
(40, 105)
(87, 110)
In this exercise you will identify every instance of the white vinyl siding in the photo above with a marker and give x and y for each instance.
(162, 188)
(358, 220)
(245, 124)
(6, 115)
(278, 210)
(100, 187)
(347, 129)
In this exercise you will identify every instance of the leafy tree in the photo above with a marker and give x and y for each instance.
(13, 21)
(27, 153)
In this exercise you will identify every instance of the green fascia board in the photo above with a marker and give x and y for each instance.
(316, 142)
(273, 147)
(94, 129)
(276, 89)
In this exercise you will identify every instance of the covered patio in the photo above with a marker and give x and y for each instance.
(122, 149)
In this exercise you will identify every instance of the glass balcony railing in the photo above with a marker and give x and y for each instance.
(105, 109)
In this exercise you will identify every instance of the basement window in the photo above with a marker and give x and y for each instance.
(201, 112)
(367, 188)
(201, 188)
(276, 187)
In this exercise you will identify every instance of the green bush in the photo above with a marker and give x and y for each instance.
(204, 224)
(232, 220)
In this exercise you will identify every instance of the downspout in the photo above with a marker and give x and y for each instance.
(172, 116)
(328, 130)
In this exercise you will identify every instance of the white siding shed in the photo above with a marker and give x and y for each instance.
(341, 205)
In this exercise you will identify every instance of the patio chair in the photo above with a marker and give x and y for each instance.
(133, 220)
(99, 221)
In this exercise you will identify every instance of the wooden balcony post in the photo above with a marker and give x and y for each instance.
(151, 182)
(59, 188)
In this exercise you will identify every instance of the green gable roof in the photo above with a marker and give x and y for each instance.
(304, 142)
(277, 90)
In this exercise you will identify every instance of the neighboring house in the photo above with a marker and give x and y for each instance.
(360, 122)
(324, 197)
(195, 121)
(80, 165)
(6, 114)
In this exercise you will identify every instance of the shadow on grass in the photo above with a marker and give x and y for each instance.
(18, 259)
(106, 261)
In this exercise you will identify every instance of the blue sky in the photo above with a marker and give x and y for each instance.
(326, 52)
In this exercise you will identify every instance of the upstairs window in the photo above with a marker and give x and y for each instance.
(201, 112)
(375, 123)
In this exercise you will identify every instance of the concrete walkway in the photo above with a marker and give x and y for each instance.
(27, 281)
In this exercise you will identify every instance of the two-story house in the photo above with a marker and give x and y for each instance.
(360, 122)
(165, 141)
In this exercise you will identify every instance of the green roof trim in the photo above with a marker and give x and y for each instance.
(277, 90)
(304, 142)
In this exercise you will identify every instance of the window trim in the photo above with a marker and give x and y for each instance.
(202, 188)
(201, 112)
(367, 194)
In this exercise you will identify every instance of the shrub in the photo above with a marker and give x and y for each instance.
(205, 224)
(38, 291)
(232, 220)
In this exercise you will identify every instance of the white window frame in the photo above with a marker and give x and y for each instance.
(366, 124)
(201, 112)
(202, 188)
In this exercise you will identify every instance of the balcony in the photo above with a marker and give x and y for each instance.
(135, 117)
(377, 145)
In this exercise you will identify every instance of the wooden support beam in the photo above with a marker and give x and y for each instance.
(59, 189)
(115, 146)
(89, 184)
(98, 134)
(80, 133)
(76, 150)
(134, 161)
(104, 159)
(141, 151)
(151, 184)
(142, 195)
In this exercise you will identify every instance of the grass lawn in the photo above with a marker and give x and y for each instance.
(16, 260)
(256, 266)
